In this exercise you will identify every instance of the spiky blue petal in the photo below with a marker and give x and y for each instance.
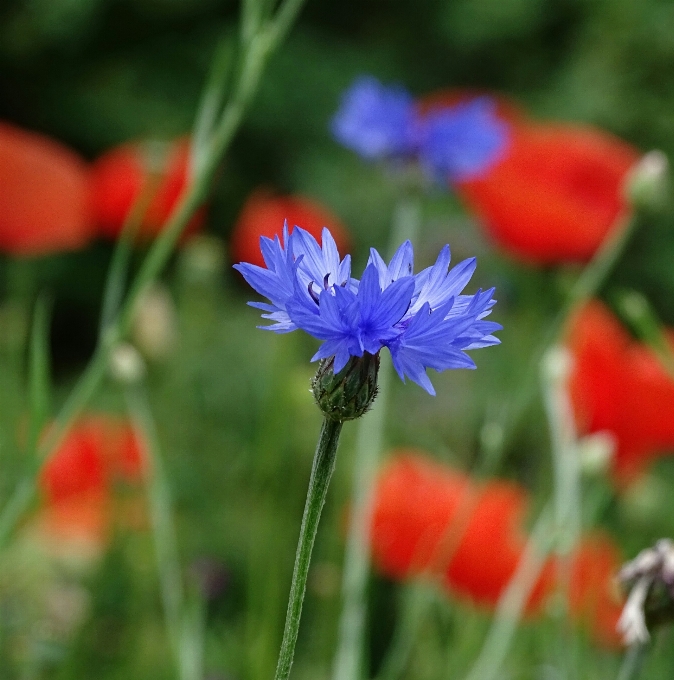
(426, 320)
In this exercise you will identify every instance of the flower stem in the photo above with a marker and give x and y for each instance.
(585, 287)
(321, 472)
(632, 661)
(163, 528)
(405, 225)
(513, 600)
(254, 57)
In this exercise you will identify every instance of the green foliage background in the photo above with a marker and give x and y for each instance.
(236, 422)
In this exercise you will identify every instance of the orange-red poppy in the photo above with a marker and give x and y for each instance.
(555, 194)
(594, 599)
(429, 519)
(78, 480)
(619, 385)
(43, 195)
(120, 176)
(264, 213)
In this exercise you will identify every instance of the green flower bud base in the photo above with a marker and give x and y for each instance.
(350, 393)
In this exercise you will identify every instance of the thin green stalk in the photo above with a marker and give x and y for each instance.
(163, 529)
(640, 314)
(555, 369)
(633, 662)
(349, 656)
(559, 410)
(489, 663)
(416, 603)
(254, 59)
(321, 472)
(113, 292)
(39, 374)
(585, 287)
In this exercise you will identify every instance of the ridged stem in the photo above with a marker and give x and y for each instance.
(321, 472)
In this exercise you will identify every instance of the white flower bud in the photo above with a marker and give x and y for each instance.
(647, 181)
(557, 364)
(126, 364)
(155, 327)
(595, 453)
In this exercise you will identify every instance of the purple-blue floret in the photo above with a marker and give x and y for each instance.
(452, 143)
(423, 319)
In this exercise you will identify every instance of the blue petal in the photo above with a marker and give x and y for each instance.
(463, 141)
(373, 120)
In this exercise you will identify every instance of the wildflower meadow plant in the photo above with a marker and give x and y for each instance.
(424, 320)
(455, 143)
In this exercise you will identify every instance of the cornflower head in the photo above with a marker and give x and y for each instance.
(456, 143)
(423, 319)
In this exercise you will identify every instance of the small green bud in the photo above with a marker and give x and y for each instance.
(648, 181)
(350, 393)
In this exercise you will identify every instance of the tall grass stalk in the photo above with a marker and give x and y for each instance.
(253, 56)
(511, 605)
(585, 287)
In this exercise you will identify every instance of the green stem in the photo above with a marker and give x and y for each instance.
(584, 288)
(511, 605)
(416, 601)
(555, 369)
(348, 658)
(321, 472)
(163, 529)
(253, 62)
(632, 662)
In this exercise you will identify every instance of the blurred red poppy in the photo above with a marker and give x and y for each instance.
(619, 385)
(594, 599)
(43, 200)
(555, 194)
(120, 175)
(264, 213)
(78, 480)
(430, 519)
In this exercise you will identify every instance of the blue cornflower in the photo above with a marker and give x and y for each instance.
(460, 142)
(424, 320)
(375, 121)
(453, 143)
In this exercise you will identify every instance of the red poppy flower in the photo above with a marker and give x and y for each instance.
(593, 595)
(430, 519)
(77, 482)
(43, 201)
(98, 451)
(264, 213)
(120, 175)
(619, 385)
(555, 194)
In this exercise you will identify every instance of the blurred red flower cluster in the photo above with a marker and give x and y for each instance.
(557, 190)
(82, 484)
(429, 519)
(53, 200)
(619, 385)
